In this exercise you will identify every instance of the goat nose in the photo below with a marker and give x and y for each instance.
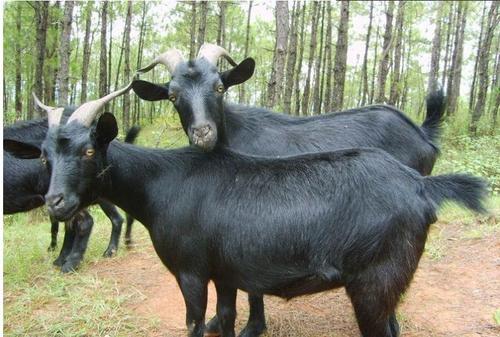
(55, 201)
(202, 131)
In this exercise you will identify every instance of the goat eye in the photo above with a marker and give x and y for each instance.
(89, 152)
(172, 97)
(43, 160)
(220, 88)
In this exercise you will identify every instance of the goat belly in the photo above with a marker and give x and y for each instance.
(304, 286)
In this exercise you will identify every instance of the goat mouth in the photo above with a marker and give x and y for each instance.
(204, 143)
(64, 214)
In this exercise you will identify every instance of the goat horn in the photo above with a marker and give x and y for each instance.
(87, 112)
(53, 114)
(170, 58)
(212, 52)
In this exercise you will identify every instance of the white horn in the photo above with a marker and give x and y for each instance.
(170, 58)
(87, 112)
(53, 114)
(212, 52)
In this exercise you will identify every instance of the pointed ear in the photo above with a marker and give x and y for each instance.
(150, 91)
(106, 129)
(21, 150)
(238, 74)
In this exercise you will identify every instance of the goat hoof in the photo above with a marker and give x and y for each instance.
(58, 262)
(69, 268)
(129, 243)
(109, 252)
(212, 328)
(253, 330)
(51, 248)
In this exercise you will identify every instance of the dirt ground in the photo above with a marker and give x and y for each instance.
(456, 294)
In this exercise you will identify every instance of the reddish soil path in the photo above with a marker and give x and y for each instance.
(455, 295)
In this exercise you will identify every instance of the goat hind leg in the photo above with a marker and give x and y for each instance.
(256, 324)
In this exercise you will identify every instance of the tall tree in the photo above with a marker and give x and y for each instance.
(65, 52)
(299, 61)
(103, 61)
(126, 74)
(383, 67)
(110, 45)
(41, 19)
(478, 53)
(221, 31)
(436, 49)
(375, 55)
(328, 51)
(364, 68)
(275, 84)
(192, 44)
(484, 58)
(247, 43)
(18, 99)
(312, 51)
(316, 100)
(340, 58)
(450, 25)
(292, 58)
(458, 49)
(495, 90)
(86, 50)
(203, 23)
(395, 85)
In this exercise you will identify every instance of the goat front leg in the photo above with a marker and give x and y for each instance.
(256, 324)
(69, 239)
(194, 290)
(54, 229)
(82, 227)
(116, 222)
(226, 309)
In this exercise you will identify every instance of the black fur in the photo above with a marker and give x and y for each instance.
(354, 218)
(255, 130)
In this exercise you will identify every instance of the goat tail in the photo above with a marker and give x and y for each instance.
(467, 190)
(132, 134)
(435, 110)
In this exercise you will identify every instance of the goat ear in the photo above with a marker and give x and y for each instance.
(21, 150)
(106, 129)
(150, 91)
(238, 74)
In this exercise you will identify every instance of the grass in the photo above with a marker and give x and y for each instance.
(39, 301)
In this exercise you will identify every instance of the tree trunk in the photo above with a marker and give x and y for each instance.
(192, 45)
(340, 58)
(221, 32)
(41, 19)
(18, 98)
(436, 50)
(395, 85)
(375, 55)
(404, 95)
(451, 28)
(484, 58)
(448, 26)
(364, 69)
(242, 93)
(103, 62)
(137, 112)
(454, 94)
(110, 47)
(312, 50)
(328, 51)
(479, 43)
(126, 51)
(292, 58)
(299, 61)
(383, 67)
(86, 51)
(316, 103)
(495, 91)
(275, 84)
(64, 53)
(203, 23)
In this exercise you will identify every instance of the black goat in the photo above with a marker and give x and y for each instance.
(197, 88)
(354, 218)
(27, 181)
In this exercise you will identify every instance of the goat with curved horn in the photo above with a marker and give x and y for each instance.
(53, 114)
(87, 112)
(212, 52)
(170, 59)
